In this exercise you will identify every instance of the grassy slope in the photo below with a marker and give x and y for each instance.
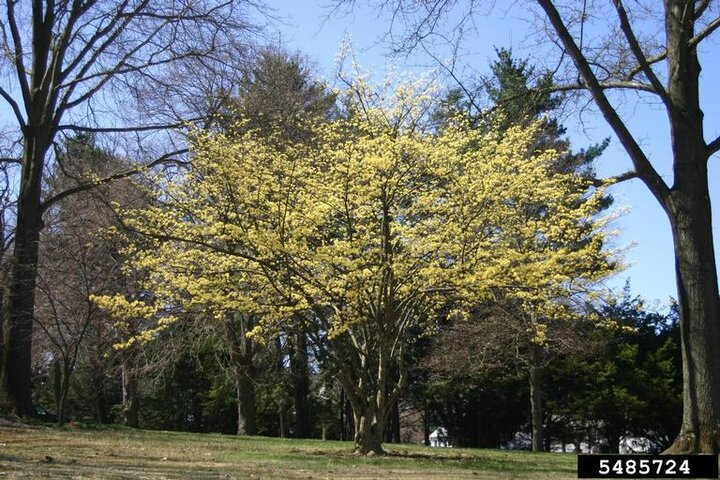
(138, 454)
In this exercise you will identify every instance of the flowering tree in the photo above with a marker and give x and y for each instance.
(365, 232)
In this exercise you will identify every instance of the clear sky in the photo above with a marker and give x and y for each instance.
(305, 27)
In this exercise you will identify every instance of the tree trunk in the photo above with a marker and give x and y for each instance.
(242, 353)
(131, 404)
(61, 384)
(282, 422)
(688, 207)
(393, 430)
(535, 380)
(97, 384)
(369, 432)
(699, 319)
(301, 385)
(57, 389)
(245, 400)
(15, 380)
(343, 409)
(547, 432)
(613, 439)
(16, 371)
(426, 425)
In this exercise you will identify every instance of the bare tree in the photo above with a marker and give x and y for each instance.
(86, 66)
(615, 45)
(687, 201)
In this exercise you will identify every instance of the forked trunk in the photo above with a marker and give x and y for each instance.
(369, 432)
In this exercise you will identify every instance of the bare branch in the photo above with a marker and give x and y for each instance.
(650, 61)
(18, 53)
(701, 7)
(128, 129)
(705, 32)
(15, 107)
(451, 72)
(623, 177)
(713, 147)
(639, 55)
(611, 85)
(645, 171)
(165, 159)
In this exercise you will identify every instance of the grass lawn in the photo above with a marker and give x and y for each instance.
(119, 453)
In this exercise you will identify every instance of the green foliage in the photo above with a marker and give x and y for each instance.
(631, 385)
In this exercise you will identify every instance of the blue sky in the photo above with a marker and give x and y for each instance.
(644, 228)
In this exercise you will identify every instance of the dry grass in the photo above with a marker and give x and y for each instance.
(112, 453)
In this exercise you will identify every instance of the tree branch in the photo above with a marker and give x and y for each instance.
(645, 171)
(650, 61)
(639, 55)
(613, 85)
(18, 53)
(629, 175)
(131, 129)
(15, 107)
(701, 7)
(705, 32)
(165, 159)
(713, 147)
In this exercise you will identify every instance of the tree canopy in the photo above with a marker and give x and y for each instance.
(367, 231)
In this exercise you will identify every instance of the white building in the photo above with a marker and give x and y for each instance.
(439, 438)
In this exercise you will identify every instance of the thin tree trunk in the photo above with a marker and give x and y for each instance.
(547, 435)
(242, 352)
(301, 385)
(57, 390)
(64, 391)
(62, 371)
(131, 403)
(535, 380)
(613, 438)
(426, 425)
(393, 430)
(282, 427)
(343, 408)
(97, 385)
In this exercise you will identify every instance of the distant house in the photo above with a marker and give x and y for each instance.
(439, 438)
(630, 445)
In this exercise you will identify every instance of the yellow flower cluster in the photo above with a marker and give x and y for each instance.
(366, 224)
